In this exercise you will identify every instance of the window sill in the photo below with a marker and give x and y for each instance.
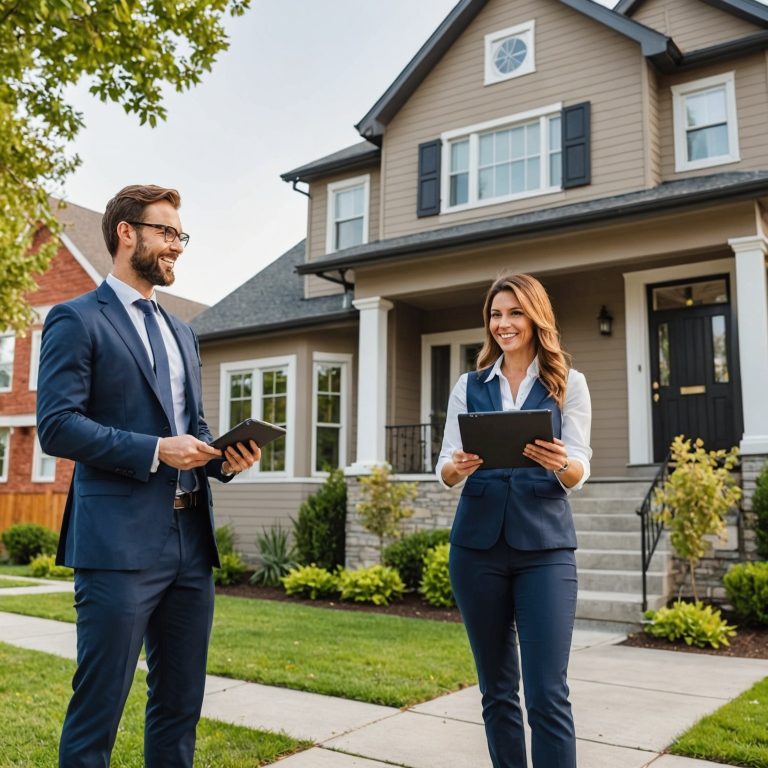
(549, 191)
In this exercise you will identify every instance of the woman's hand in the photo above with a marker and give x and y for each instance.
(461, 466)
(550, 455)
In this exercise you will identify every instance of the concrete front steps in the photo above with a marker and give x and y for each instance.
(609, 559)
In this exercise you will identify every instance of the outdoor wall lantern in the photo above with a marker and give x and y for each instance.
(605, 322)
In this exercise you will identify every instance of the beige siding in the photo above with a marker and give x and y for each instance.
(405, 369)
(692, 24)
(652, 136)
(573, 55)
(752, 115)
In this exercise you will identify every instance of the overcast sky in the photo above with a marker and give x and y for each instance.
(297, 77)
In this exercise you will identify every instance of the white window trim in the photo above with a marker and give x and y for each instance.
(345, 361)
(256, 474)
(4, 467)
(339, 186)
(37, 464)
(34, 358)
(5, 335)
(679, 93)
(472, 132)
(527, 32)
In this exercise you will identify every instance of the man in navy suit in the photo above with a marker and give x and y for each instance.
(119, 392)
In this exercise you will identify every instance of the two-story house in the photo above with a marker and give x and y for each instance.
(33, 485)
(618, 155)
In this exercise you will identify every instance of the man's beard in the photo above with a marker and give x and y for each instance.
(147, 266)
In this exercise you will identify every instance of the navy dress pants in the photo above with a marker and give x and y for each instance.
(497, 590)
(168, 606)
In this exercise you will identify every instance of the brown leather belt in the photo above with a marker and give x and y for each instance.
(187, 500)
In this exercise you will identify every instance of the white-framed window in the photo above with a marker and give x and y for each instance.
(7, 348)
(510, 53)
(5, 443)
(348, 213)
(34, 358)
(505, 159)
(330, 410)
(262, 389)
(43, 465)
(705, 124)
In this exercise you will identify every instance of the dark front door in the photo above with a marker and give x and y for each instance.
(693, 373)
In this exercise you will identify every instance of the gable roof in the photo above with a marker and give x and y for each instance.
(657, 47)
(82, 237)
(749, 10)
(357, 156)
(272, 300)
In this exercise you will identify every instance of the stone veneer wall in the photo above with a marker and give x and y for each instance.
(433, 508)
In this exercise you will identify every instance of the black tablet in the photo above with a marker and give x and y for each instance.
(261, 432)
(499, 437)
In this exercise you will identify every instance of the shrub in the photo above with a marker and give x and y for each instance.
(231, 570)
(407, 555)
(747, 587)
(44, 567)
(436, 583)
(695, 623)
(310, 581)
(319, 530)
(225, 539)
(277, 557)
(760, 510)
(377, 584)
(24, 541)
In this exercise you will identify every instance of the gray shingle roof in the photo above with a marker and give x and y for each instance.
(271, 300)
(749, 10)
(358, 155)
(666, 196)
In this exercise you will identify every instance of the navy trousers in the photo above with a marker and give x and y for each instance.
(168, 606)
(498, 590)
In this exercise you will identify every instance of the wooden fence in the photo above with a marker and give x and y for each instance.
(43, 508)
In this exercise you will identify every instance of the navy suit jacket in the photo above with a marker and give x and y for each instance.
(528, 504)
(98, 404)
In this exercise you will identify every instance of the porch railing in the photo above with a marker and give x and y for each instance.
(650, 527)
(413, 448)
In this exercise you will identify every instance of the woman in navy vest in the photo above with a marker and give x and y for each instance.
(512, 560)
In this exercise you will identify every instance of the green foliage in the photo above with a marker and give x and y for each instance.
(695, 623)
(225, 539)
(310, 581)
(231, 570)
(44, 567)
(376, 584)
(25, 541)
(383, 505)
(696, 497)
(760, 510)
(747, 587)
(407, 555)
(128, 50)
(277, 557)
(319, 530)
(436, 582)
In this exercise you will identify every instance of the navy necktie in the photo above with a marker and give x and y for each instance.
(163, 374)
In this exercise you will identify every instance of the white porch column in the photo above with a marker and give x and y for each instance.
(752, 302)
(372, 383)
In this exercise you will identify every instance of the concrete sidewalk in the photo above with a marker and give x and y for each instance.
(629, 704)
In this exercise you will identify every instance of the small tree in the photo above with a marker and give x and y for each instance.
(760, 510)
(383, 506)
(696, 497)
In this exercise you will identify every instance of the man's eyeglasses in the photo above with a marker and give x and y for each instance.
(169, 233)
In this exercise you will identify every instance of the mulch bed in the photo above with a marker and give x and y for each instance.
(749, 642)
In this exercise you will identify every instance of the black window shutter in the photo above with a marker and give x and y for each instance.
(577, 171)
(428, 203)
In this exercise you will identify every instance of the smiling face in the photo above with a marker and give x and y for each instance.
(154, 259)
(511, 328)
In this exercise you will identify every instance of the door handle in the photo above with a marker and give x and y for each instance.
(655, 385)
(656, 397)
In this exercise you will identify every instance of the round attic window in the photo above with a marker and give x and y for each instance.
(509, 55)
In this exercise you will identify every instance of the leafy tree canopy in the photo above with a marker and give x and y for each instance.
(128, 49)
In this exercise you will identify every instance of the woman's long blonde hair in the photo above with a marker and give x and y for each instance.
(534, 301)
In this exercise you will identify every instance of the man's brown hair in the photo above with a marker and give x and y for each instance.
(128, 205)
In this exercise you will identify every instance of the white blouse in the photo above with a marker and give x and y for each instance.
(576, 416)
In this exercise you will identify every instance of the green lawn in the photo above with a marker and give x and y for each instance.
(35, 689)
(7, 569)
(737, 734)
(8, 582)
(356, 655)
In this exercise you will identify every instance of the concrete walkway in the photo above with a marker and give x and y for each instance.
(629, 704)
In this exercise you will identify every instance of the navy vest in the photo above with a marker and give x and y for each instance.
(529, 505)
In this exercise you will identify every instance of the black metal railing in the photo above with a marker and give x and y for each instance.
(650, 526)
(413, 448)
